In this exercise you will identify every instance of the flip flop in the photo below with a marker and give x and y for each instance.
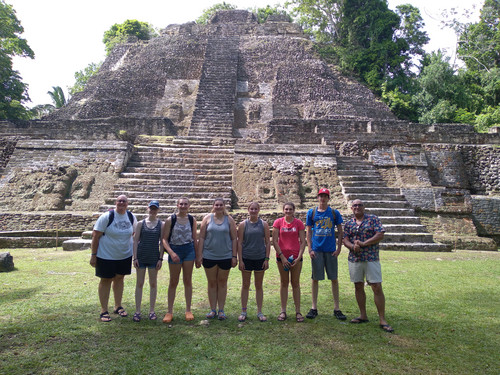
(121, 311)
(104, 317)
(359, 321)
(387, 328)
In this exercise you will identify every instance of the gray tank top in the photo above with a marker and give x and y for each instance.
(218, 243)
(148, 248)
(181, 233)
(254, 245)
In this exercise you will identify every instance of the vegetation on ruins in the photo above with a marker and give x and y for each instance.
(384, 49)
(83, 76)
(49, 323)
(13, 92)
(120, 33)
(209, 12)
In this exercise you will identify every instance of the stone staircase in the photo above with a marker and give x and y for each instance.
(360, 180)
(183, 168)
(214, 108)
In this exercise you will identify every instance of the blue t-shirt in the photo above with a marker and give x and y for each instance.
(323, 229)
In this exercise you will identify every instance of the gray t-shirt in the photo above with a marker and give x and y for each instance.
(116, 243)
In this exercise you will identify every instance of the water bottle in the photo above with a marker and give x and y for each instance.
(290, 260)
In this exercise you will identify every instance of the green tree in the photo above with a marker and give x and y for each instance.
(119, 33)
(263, 13)
(209, 12)
(13, 92)
(83, 76)
(479, 43)
(57, 96)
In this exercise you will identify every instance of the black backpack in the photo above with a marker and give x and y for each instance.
(111, 217)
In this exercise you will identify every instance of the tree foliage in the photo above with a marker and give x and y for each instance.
(57, 96)
(13, 92)
(263, 13)
(119, 33)
(83, 76)
(209, 12)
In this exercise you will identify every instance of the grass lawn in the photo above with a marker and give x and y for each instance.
(444, 307)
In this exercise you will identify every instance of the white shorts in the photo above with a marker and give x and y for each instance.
(372, 271)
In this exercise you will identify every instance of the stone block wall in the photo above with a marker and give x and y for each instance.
(486, 215)
(45, 175)
(280, 173)
(30, 221)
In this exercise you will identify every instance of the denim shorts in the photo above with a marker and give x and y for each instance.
(185, 252)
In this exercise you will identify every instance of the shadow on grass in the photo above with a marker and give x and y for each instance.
(17, 294)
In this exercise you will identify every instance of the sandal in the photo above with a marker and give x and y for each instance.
(121, 311)
(387, 328)
(261, 317)
(221, 315)
(359, 321)
(211, 314)
(282, 316)
(189, 316)
(137, 317)
(242, 317)
(152, 316)
(298, 317)
(104, 317)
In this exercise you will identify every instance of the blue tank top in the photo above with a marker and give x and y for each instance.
(218, 244)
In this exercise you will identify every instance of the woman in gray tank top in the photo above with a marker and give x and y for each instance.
(148, 254)
(179, 241)
(254, 246)
(218, 247)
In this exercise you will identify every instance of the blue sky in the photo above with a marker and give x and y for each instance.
(66, 35)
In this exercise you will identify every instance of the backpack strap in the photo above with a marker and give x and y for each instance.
(111, 218)
(173, 220)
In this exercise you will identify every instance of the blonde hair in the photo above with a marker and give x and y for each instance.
(223, 203)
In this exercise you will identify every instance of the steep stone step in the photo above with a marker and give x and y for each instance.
(408, 237)
(403, 228)
(209, 168)
(375, 197)
(188, 176)
(390, 211)
(370, 190)
(361, 178)
(386, 204)
(171, 195)
(168, 189)
(404, 246)
(402, 220)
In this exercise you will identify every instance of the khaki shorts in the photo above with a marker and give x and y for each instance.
(371, 270)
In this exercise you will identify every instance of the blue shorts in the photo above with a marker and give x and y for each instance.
(185, 252)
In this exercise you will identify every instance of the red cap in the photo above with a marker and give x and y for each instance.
(324, 191)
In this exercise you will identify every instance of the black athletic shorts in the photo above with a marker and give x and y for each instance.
(224, 264)
(107, 269)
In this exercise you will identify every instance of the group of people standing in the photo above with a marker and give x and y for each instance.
(119, 241)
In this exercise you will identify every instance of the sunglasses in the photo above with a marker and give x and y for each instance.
(357, 205)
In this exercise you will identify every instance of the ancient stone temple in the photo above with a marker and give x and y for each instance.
(245, 111)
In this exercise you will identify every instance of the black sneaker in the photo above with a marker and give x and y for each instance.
(338, 314)
(313, 313)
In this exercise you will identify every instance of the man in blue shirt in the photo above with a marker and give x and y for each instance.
(321, 223)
